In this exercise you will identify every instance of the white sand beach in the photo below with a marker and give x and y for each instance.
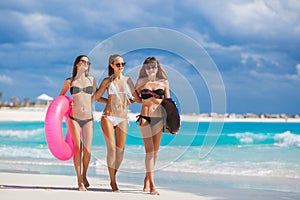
(42, 186)
(36, 186)
(31, 114)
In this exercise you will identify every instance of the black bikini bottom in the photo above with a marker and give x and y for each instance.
(151, 120)
(81, 122)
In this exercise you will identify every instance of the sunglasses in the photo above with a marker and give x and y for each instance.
(119, 64)
(149, 67)
(85, 62)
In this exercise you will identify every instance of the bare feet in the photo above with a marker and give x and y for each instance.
(149, 187)
(146, 185)
(114, 187)
(154, 192)
(81, 187)
(85, 182)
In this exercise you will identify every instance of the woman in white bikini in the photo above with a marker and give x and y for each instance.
(114, 121)
(153, 86)
(82, 86)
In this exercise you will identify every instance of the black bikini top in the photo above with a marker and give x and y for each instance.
(75, 90)
(146, 93)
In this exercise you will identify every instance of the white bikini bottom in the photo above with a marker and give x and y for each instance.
(115, 120)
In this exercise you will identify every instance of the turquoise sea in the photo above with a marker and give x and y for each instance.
(244, 150)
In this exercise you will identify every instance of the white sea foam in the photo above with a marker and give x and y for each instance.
(21, 134)
(287, 139)
(37, 163)
(260, 169)
(24, 152)
(262, 161)
(241, 162)
(249, 137)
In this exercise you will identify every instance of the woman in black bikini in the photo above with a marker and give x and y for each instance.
(153, 86)
(80, 122)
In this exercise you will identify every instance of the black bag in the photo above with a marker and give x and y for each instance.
(171, 116)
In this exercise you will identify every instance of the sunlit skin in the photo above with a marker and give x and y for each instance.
(151, 133)
(81, 109)
(116, 106)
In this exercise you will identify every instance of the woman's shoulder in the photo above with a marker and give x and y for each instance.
(163, 80)
(141, 82)
(106, 81)
(125, 78)
(91, 78)
(68, 80)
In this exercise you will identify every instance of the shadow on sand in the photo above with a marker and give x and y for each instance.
(93, 189)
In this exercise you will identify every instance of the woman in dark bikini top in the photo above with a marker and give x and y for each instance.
(81, 86)
(146, 94)
(153, 86)
(75, 90)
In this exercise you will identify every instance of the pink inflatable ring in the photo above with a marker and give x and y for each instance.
(62, 148)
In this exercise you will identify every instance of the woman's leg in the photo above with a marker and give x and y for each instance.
(121, 130)
(156, 138)
(149, 164)
(156, 143)
(108, 132)
(74, 129)
(87, 137)
(151, 139)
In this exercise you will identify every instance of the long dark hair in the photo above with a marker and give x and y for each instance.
(77, 60)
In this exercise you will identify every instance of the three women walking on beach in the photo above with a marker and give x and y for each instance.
(80, 121)
(151, 88)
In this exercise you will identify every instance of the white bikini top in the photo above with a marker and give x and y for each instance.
(114, 89)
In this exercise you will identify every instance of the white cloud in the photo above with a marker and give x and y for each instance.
(258, 18)
(271, 77)
(260, 59)
(5, 79)
(250, 56)
(43, 27)
(298, 69)
(255, 13)
(112, 16)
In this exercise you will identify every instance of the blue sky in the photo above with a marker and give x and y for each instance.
(254, 45)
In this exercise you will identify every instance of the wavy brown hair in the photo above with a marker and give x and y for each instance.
(152, 60)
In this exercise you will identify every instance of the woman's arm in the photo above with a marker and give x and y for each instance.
(100, 91)
(65, 87)
(94, 85)
(137, 98)
(101, 99)
(167, 90)
(133, 91)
